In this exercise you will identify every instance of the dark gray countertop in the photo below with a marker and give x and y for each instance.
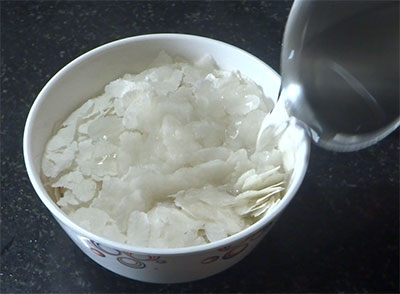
(340, 233)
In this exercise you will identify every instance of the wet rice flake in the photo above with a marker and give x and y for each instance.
(166, 158)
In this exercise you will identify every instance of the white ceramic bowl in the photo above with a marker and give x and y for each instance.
(84, 78)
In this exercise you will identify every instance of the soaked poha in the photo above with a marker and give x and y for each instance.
(166, 158)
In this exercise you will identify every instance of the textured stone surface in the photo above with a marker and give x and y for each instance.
(340, 233)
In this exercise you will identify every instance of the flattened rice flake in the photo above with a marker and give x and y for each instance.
(166, 158)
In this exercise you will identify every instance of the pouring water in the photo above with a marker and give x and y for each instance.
(340, 71)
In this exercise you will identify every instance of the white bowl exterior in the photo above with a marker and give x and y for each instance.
(164, 268)
(85, 78)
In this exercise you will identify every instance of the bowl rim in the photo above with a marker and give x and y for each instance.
(65, 220)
